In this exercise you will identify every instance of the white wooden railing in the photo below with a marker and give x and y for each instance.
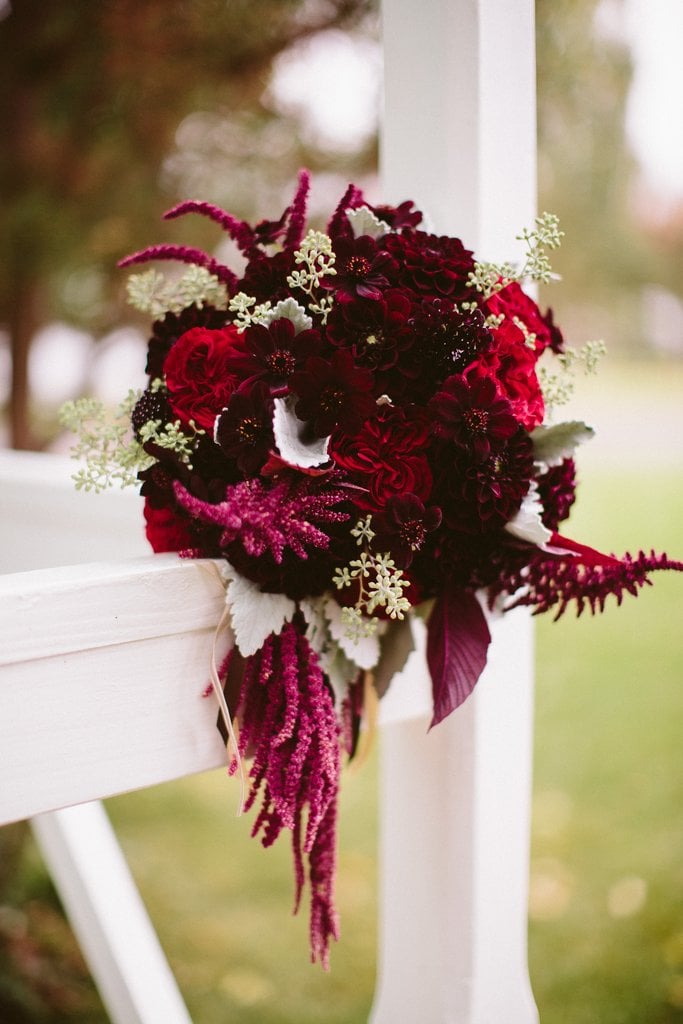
(92, 653)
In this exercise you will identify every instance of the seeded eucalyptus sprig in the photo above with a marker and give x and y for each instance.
(489, 278)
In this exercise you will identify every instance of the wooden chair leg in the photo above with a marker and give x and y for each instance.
(108, 916)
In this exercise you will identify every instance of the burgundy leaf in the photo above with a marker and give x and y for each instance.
(457, 642)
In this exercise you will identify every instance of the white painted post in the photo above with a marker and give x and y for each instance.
(459, 138)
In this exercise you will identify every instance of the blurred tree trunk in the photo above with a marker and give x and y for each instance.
(23, 322)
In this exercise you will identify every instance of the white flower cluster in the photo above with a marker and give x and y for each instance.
(381, 585)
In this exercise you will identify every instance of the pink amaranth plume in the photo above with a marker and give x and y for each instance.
(183, 254)
(339, 224)
(548, 582)
(288, 725)
(269, 517)
(297, 212)
(239, 230)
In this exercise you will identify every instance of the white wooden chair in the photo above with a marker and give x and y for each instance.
(92, 652)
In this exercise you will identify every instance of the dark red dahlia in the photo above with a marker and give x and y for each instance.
(374, 332)
(481, 495)
(275, 352)
(557, 491)
(469, 412)
(445, 342)
(244, 430)
(404, 526)
(333, 394)
(363, 269)
(432, 264)
(265, 277)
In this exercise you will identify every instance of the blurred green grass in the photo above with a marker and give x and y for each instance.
(606, 925)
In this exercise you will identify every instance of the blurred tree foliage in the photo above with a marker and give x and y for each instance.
(585, 168)
(91, 98)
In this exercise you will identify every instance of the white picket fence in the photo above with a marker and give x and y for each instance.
(98, 639)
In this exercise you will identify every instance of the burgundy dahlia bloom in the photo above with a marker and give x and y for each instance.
(481, 495)
(363, 270)
(244, 429)
(275, 352)
(444, 341)
(333, 394)
(404, 526)
(469, 412)
(432, 264)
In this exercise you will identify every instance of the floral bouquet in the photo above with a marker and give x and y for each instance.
(358, 424)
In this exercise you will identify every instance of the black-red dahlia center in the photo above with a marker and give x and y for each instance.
(281, 362)
(357, 266)
(476, 421)
(331, 399)
(413, 533)
(250, 430)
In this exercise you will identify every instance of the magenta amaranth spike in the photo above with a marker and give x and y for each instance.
(297, 212)
(289, 726)
(239, 230)
(549, 582)
(183, 254)
(338, 223)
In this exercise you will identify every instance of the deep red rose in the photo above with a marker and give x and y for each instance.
(388, 456)
(166, 530)
(513, 363)
(200, 373)
(513, 302)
